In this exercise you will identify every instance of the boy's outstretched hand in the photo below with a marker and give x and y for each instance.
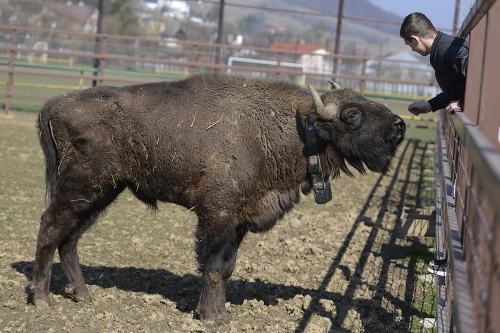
(424, 107)
(453, 106)
(419, 107)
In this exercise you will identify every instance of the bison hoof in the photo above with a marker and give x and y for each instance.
(216, 319)
(79, 294)
(224, 318)
(42, 303)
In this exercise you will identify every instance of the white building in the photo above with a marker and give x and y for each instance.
(176, 9)
(317, 58)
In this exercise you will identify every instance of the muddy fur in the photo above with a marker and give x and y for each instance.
(228, 147)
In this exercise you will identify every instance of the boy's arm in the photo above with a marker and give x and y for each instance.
(439, 102)
(459, 65)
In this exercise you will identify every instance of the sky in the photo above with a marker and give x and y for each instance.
(440, 12)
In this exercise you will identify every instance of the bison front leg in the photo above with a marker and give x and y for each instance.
(217, 257)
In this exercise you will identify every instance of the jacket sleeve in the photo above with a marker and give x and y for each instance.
(439, 102)
(459, 64)
(460, 67)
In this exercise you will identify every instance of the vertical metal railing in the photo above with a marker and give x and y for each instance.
(10, 74)
(469, 204)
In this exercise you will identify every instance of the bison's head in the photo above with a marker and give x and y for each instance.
(359, 130)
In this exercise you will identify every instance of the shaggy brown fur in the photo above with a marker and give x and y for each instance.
(228, 147)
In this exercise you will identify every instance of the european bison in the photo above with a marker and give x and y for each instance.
(230, 148)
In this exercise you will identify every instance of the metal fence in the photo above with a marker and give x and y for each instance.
(65, 60)
(468, 187)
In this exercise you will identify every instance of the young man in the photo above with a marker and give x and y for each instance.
(448, 56)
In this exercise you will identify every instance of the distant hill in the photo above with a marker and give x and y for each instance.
(361, 8)
(358, 37)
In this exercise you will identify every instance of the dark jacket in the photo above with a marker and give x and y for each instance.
(449, 56)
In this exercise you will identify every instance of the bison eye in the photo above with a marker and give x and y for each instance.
(352, 115)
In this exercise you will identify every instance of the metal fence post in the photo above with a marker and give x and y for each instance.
(363, 74)
(278, 66)
(102, 61)
(10, 75)
(193, 58)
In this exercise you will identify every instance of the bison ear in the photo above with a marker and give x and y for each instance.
(334, 84)
(325, 113)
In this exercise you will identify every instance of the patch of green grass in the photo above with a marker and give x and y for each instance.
(425, 305)
(425, 298)
(419, 255)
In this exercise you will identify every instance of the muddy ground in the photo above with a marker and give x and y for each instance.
(339, 267)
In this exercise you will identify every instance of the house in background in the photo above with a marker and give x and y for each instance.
(316, 58)
(78, 17)
(70, 15)
(176, 9)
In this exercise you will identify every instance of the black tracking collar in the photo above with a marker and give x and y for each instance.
(322, 190)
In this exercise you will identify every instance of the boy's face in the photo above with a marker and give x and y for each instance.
(416, 45)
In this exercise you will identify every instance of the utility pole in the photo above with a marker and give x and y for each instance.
(336, 69)
(97, 48)
(220, 32)
(457, 14)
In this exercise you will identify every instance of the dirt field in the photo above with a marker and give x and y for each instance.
(339, 267)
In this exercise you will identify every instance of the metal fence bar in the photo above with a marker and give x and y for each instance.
(459, 308)
(188, 60)
(485, 157)
(471, 176)
(442, 316)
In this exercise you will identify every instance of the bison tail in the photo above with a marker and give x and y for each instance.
(49, 149)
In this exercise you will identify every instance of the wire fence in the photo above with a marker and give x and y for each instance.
(29, 72)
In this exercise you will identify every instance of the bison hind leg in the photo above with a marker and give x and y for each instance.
(70, 262)
(68, 247)
(72, 210)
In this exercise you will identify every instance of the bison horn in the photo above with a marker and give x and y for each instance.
(325, 113)
(334, 84)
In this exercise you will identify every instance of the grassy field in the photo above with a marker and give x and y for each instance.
(53, 85)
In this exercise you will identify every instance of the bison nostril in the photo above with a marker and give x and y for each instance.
(401, 124)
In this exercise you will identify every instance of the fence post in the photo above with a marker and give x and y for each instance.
(193, 58)
(102, 60)
(278, 65)
(10, 75)
(80, 81)
(363, 73)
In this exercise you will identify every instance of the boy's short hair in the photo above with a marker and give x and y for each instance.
(417, 24)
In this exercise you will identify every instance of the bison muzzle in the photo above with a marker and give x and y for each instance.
(230, 148)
